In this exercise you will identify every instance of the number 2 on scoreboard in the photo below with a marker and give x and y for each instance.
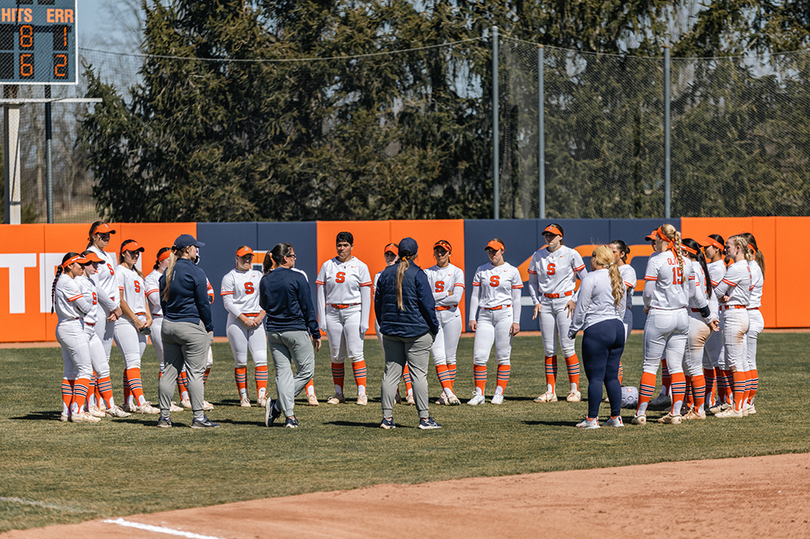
(60, 66)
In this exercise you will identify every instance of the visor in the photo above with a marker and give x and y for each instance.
(444, 245)
(164, 255)
(551, 229)
(651, 235)
(104, 228)
(131, 246)
(244, 251)
(689, 250)
(92, 257)
(711, 241)
(391, 248)
(494, 245)
(72, 260)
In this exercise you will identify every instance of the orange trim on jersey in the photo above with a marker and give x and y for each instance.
(445, 307)
(555, 296)
(498, 246)
(580, 268)
(476, 284)
(517, 286)
(459, 284)
(629, 285)
(152, 291)
(650, 278)
(498, 308)
(226, 293)
(74, 298)
(366, 284)
(729, 282)
(319, 282)
(342, 305)
(727, 307)
(532, 272)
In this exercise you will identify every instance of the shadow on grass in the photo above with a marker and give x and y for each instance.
(551, 423)
(39, 416)
(254, 422)
(374, 425)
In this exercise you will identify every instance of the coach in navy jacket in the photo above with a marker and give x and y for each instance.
(406, 312)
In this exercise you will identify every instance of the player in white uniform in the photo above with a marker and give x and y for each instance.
(734, 294)
(344, 304)
(496, 292)
(629, 277)
(713, 248)
(699, 330)
(70, 307)
(132, 329)
(756, 323)
(669, 285)
(447, 284)
(245, 328)
(553, 270)
(109, 309)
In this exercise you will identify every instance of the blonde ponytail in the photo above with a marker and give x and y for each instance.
(403, 267)
(168, 274)
(603, 256)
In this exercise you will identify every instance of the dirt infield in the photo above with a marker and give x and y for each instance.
(749, 497)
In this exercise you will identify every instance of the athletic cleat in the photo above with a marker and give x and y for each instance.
(64, 418)
(409, 400)
(116, 411)
(185, 403)
(716, 409)
(694, 415)
(244, 402)
(614, 422)
(164, 422)
(147, 409)
(338, 398)
(744, 411)
(207, 406)
(291, 423)
(589, 423)
(95, 411)
(442, 400)
(670, 419)
(548, 396)
(131, 409)
(751, 409)
(175, 408)
(312, 400)
(731, 412)
(477, 399)
(497, 398)
(639, 420)
(428, 423)
(452, 400)
(388, 424)
(574, 396)
(362, 400)
(271, 412)
(83, 417)
(261, 402)
(203, 423)
(661, 401)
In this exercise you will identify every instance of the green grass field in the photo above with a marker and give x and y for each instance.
(53, 472)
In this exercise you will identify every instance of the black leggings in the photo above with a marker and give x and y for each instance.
(602, 347)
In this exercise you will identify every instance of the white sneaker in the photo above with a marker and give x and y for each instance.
(589, 423)
(312, 400)
(409, 400)
(452, 400)
(338, 398)
(207, 406)
(731, 412)
(175, 408)
(244, 402)
(261, 402)
(477, 399)
(670, 419)
(95, 411)
(497, 398)
(694, 415)
(639, 420)
(362, 400)
(185, 403)
(116, 411)
(442, 400)
(716, 409)
(147, 409)
(614, 422)
(574, 396)
(751, 409)
(64, 418)
(83, 417)
(130, 409)
(661, 400)
(548, 396)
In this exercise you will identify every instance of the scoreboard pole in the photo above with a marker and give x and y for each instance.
(11, 156)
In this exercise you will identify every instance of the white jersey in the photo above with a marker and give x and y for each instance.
(152, 282)
(757, 281)
(132, 288)
(240, 292)
(671, 283)
(716, 271)
(596, 302)
(105, 277)
(630, 279)
(68, 301)
(89, 292)
(700, 297)
(556, 272)
(447, 285)
(496, 284)
(736, 284)
(342, 281)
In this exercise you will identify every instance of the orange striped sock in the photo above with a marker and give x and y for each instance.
(444, 377)
(621, 372)
(551, 373)
(645, 391)
(135, 385)
(240, 375)
(67, 395)
(572, 363)
(127, 391)
(205, 375)
(310, 387)
(261, 380)
(80, 389)
(739, 389)
(182, 385)
(338, 374)
(728, 387)
(688, 399)
(666, 379)
(503, 378)
(451, 369)
(699, 391)
(678, 385)
(480, 377)
(406, 373)
(708, 395)
(748, 381)
(360, 376)
(104, 387)
(754, 386)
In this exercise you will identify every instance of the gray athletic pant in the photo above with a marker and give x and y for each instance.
(286, 348)
(398, 350)
(186, 344)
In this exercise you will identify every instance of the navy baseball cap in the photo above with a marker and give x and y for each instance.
(408, 245)
(184, 240)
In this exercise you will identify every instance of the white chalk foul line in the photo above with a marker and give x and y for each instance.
(45, 505)
(159, 529)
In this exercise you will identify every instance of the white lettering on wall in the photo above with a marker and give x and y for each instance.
(16, 264)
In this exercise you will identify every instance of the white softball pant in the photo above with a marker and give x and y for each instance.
(157, 338)
(554, 324)
(379, 335)
(628, 324)
(735, 326)
(446, 342)
(343, 332)
(756, 323)
(105, 330)
(98, 358)
(75, 350)
(131, 342)
(713, 350)
(665, 332)
(493, 327)
(698, 335)
(242, 338)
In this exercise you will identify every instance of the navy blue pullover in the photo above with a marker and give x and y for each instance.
(418, 315)
(188, 295)
(285, 297)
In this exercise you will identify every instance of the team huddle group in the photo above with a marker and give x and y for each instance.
(702, 301)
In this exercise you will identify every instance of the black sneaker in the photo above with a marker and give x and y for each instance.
(271, 412)
(388, 424)
(291, 423)
(203, 423)
(164, 422)
(428, 423)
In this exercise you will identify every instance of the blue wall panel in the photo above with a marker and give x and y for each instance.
(304, 239)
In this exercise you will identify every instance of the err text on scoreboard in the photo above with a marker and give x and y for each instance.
(38, 42)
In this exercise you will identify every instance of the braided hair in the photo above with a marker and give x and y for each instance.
(752, 244)
(603, 256)
(692, 244)
(674, 238)
(59, 271)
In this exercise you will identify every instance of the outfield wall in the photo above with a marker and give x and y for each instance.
(29, 255)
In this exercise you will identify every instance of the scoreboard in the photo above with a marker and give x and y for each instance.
(38, 42)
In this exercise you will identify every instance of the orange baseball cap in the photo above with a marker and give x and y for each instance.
(91, 256)
(551, 229)
(711, 241)
(444, 245)
(131, 245)
(391, 248)
(103, 228)
(651, 235)
(496, 245)
(244, 251)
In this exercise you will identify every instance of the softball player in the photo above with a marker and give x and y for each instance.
(132, 328)
(553, 270)
(109, 309)
(669, 285)
(344, 303)
(756, 323)
(447, 284)
(699, 330)
(629, 277)
(713, 247)
(244, 328)
(70, 306)
(496, 290)
(99, 361)
(734, 294)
